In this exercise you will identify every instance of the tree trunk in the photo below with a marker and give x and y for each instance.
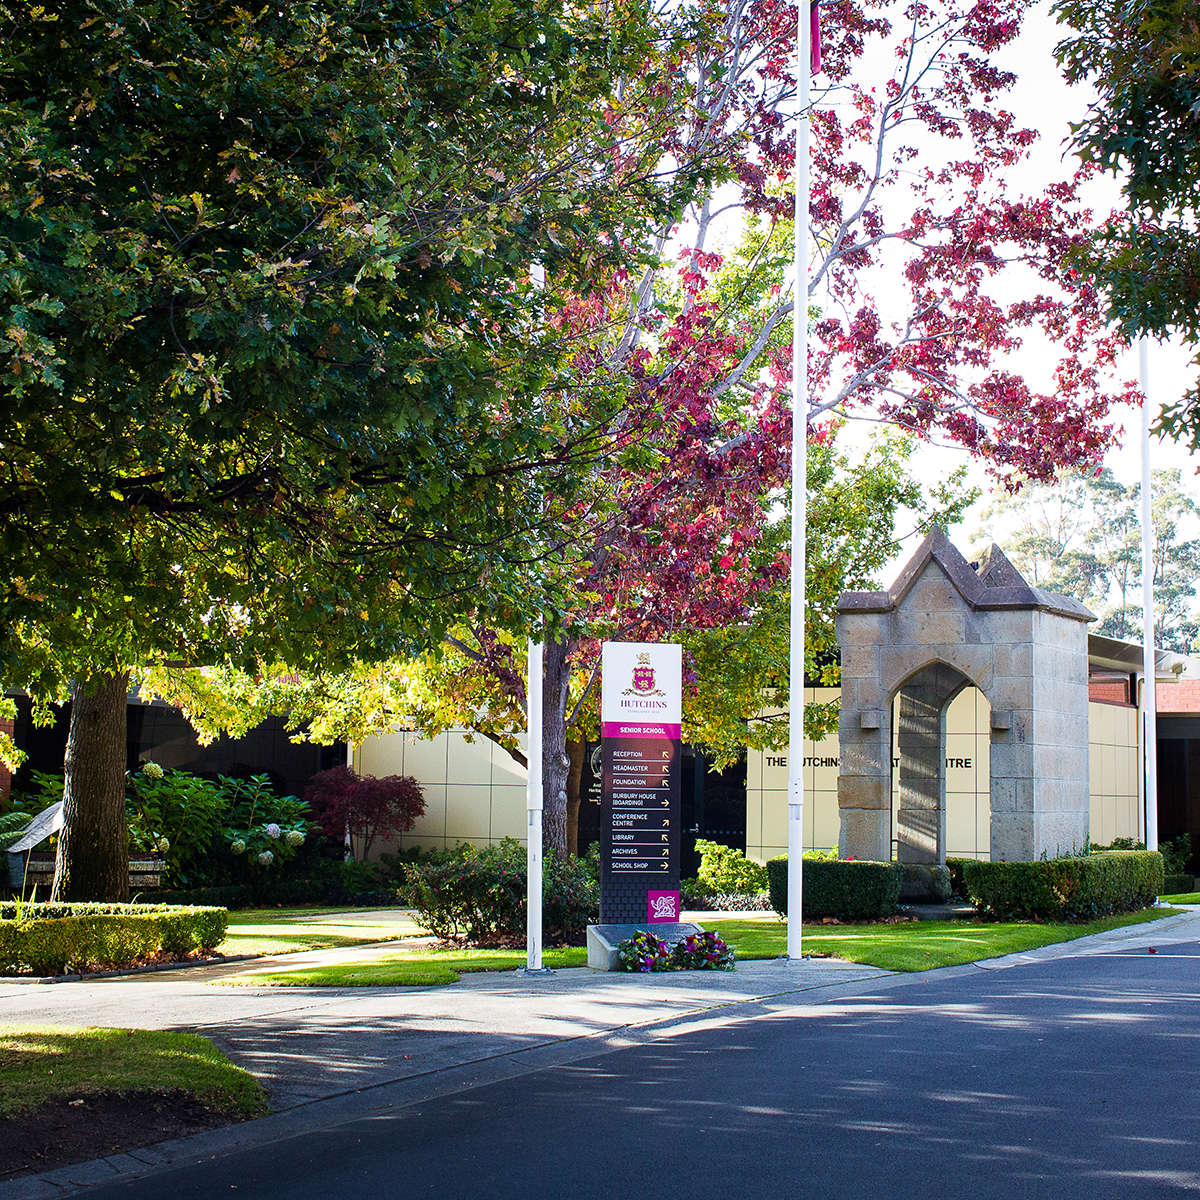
(575, 750)
(555, 764)
(93, 847)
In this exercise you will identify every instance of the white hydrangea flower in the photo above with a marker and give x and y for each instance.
(237, 846)
(152, 770)
(272, 830)
(266, 858)
(294, 837)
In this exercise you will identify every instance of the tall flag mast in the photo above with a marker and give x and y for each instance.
(808, 62)
(533, 788)
(1149, 698)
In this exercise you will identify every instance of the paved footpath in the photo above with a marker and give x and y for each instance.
(328, 1056)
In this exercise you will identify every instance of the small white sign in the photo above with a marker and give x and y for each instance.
(642, 689)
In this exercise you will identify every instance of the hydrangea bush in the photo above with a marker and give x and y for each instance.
(264, 828)
(210, 831)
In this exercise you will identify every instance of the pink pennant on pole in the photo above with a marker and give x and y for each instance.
(814, 17)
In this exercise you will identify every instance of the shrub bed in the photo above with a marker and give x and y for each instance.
(957, 884)
(1066, 889)
(478, 895)
(725, 871)
(846, 890)
(693, 898)
(380, 883)
(48, 939)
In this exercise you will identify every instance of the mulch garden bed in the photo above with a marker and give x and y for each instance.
(61, 1132)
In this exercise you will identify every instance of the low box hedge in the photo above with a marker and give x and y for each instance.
(1174, 885)
(48, 939)
(848, 890)
(1065, 889)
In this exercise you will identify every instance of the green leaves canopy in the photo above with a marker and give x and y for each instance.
(1143, 57)
(268, 356)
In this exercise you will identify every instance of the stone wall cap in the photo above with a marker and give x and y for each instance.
(996, 585)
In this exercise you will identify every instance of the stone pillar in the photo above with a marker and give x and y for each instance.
(864, 735)
(1061, 787)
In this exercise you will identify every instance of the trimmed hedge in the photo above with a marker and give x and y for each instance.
(1174, 885)
(847, 890)
(48, 939)
(1066, 889)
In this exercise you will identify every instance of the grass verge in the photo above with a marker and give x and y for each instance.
(1183, 898)
(40, 1063)
(411, 968)
(286, 931)
(911, 946)
(917, 945)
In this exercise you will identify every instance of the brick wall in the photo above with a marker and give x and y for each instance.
(1103, 690)
(1181, 697)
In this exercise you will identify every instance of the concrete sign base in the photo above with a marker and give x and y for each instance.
(603, 940)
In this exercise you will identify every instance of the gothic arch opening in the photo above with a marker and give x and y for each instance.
(940, 766)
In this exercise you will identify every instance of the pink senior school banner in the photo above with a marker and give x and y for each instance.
(640, 711)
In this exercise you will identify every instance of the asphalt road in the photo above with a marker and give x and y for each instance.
(1076, 1077)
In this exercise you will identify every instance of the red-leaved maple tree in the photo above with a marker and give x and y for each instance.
(943, 301)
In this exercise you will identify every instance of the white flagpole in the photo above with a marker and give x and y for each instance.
(795, 754)
(533, 805)
(533, 788)
(1149, 700)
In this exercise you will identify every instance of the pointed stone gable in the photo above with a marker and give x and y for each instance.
(995, 584)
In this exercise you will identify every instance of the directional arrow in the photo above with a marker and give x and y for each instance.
(665, 838)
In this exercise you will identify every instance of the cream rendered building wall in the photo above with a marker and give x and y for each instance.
(968, 814)
(1113, 750)
(968, 776)
(1113, 771)
(475, 792)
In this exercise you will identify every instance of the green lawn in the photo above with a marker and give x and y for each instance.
(915, 945)
(284, 931)
(910, 946)
(1183, 898)
(39, 1063)
(422, 967)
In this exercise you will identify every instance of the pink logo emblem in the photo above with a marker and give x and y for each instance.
(662, 907)
(643, 679)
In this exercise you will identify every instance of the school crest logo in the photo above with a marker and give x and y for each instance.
(643, 679)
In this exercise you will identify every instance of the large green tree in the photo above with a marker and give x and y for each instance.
(270, 375)
(1082, 537)
(1143, 58)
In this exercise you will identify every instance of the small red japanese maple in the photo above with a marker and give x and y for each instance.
(367, 808)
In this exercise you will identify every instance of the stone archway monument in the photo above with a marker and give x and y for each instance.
(946, 624)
